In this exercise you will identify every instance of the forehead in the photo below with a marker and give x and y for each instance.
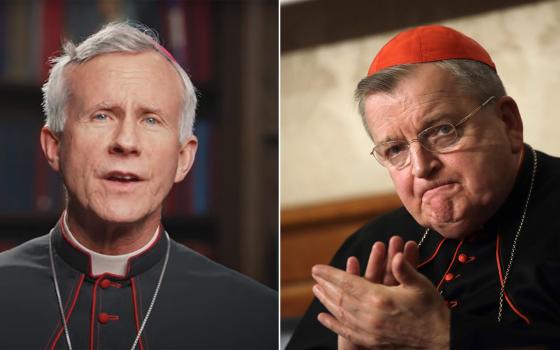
(426, 95)
(116, 76)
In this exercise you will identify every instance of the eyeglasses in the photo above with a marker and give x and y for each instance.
(438, 138)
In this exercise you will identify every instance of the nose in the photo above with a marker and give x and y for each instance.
(423, 162)
(125, 139)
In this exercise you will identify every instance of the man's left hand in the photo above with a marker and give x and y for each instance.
(410, 314)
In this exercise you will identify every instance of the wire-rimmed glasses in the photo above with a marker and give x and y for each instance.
(437, 138)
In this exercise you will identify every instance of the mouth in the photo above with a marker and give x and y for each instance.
(437, 187)
(122, 177)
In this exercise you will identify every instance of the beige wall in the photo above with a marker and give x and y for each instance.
(324, 149)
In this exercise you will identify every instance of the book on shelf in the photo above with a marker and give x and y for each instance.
(31, 32)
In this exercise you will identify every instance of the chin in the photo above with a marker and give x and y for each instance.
(122, 215)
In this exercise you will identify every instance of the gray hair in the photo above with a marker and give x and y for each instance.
(473, 78)
(112, 38)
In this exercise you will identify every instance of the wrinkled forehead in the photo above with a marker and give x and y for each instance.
(419, 100)
(149, 70)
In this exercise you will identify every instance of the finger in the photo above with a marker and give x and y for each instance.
(328, 292)
(336, 306)
(333, 324)
(353, 265)
(406, 274)
(345, 282)
(345, 344)
(338, 296)
(375, 268)
(342, 330)
(396, 245)
(335, 276)
(411, 253)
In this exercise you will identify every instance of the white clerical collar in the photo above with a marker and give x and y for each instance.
(103, 263)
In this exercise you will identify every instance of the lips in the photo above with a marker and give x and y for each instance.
(435, 187)
(445, 189)
(122, 177)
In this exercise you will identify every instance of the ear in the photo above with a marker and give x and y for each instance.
(509, 114)
(186, 158)
(50, 143)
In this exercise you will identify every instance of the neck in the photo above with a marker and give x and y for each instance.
(108, 237)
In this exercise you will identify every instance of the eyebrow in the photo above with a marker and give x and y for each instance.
(426, 122)
(436, 119)
(101, 105)
(152, 109)
(113, 106)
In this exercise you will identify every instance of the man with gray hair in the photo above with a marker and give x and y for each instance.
(471, 259)
(119, 120)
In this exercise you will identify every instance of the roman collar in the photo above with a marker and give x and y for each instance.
(80, 260)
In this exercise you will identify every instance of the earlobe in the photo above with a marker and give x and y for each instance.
(186, 158)
(509, 113)
(50, 144)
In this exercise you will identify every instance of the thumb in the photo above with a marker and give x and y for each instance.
(405, 274)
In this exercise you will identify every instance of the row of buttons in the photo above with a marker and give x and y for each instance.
(462, 258)
(104, 317)
(450, 276)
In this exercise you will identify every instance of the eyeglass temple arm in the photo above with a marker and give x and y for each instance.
(475, 111)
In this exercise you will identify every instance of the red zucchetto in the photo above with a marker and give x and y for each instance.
(428, 44)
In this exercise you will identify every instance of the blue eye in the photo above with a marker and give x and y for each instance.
(101, 117)
(151, 121)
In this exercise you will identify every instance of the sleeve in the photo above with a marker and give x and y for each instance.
(470, 332)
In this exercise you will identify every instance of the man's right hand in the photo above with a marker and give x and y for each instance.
(378, 270)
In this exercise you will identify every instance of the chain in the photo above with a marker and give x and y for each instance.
(514, 245)
(57, 290)
(423, 237)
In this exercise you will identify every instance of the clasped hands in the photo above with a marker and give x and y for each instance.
(391, 306)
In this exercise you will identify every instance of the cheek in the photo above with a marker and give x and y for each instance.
(480, 179)
(164, 165)
(79, 159)
(485, 180)
(404, 186)
(70, 163)
(75, 170)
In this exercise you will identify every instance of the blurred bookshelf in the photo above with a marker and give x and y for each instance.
(215, 210)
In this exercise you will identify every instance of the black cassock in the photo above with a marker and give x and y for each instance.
(201, 304)
(468, 272)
